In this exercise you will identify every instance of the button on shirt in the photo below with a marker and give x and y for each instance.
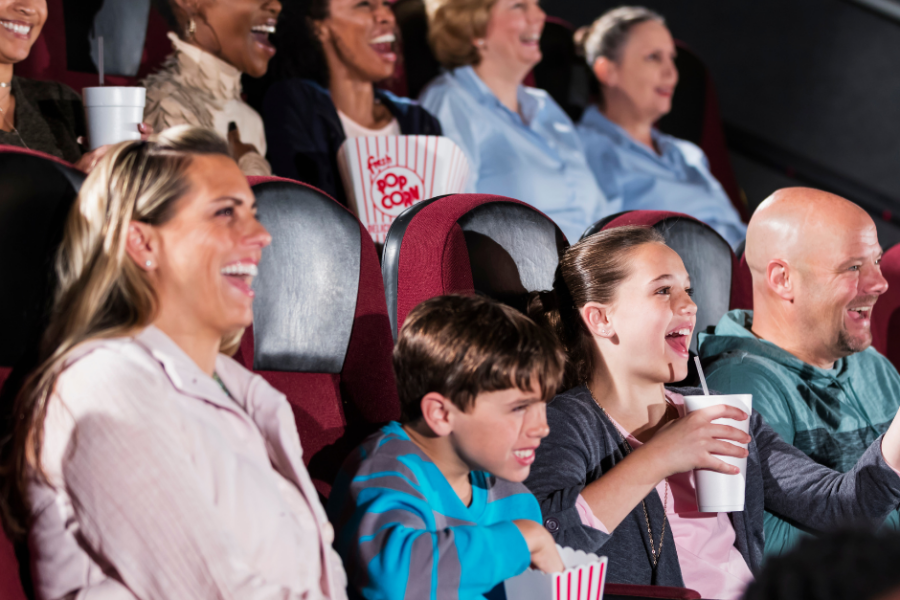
(535, 156)
(634, 177)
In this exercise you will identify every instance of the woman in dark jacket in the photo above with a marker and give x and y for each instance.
(330, 55)
(615, 474)
(38, 115)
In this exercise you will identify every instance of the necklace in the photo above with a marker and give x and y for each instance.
(222, 385)
(654, 552)
(4, 84)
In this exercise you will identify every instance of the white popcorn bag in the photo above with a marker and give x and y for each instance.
(385, 175)
(583, 579)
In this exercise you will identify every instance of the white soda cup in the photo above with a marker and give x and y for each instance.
(113, 114)
(718, 492)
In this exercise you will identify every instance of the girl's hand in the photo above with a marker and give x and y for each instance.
(691, 442)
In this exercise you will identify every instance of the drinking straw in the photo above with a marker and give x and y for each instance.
(702, 378)
(100, 61)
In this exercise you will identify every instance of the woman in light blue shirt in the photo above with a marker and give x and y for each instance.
(639, 168)
(519, 142)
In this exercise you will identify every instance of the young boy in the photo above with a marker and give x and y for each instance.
(433, 506)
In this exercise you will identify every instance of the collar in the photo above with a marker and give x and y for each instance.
(531, 101)
(594, 119)
(206, 71)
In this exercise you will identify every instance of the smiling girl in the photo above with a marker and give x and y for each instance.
(615, 474)
(146, 463)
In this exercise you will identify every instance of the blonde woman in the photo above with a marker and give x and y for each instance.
(519, 142)
(147, 462)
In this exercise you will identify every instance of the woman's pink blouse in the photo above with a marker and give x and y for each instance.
(162, 486)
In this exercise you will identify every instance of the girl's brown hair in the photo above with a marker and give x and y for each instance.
(589, 271)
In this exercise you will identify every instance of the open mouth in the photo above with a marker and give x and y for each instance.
(241, 275)
(680, 340)
(531, 39)
(384, 46)
(861, 315)
(18, 28)
(666, 92)
(261, 33)
(524, 456)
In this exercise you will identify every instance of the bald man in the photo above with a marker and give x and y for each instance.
(804, 351)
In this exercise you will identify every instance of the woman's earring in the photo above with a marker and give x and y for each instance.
(149, 263)
(602, 331)
(191, 29)
(480, 43)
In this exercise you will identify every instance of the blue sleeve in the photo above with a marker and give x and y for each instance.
(395, 546)
(451, 109)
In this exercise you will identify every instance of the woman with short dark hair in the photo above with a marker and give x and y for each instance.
(331, 55)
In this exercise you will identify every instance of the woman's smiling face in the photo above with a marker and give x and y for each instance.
(237, 31)
(22, 21)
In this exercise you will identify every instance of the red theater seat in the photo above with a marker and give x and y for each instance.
(467, 243)
(36, 192)
(886, 314)
(321, 333)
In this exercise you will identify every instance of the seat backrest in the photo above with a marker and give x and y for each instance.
(715, 272)
(467, 243)
(57, 56)
(321, 333)
(886, 314)
(36, 193)
(419, 63)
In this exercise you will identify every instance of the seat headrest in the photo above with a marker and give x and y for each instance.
(464, 243)
(513, 250)
(36, 194)
(308, 280)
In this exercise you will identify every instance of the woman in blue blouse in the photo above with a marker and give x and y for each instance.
(639, 168)
(519, 142)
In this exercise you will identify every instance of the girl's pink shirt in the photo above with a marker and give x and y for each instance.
(710, 564)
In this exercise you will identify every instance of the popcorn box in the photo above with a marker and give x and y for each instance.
(385, 175)
(583, 579)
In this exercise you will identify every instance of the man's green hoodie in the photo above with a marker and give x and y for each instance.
(832, 415)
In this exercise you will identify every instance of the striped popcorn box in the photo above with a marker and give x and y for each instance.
(583, 579)
(385, 175)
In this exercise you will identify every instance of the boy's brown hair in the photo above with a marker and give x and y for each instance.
(461, 346)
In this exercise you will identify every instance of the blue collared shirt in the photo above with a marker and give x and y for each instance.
(634, 177)
(535, 157)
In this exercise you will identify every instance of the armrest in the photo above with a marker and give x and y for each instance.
(614, 591)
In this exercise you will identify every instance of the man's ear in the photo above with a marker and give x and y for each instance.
(780, 279)
(606, 72)
(598, 320)
(436, 411)
(141, 245)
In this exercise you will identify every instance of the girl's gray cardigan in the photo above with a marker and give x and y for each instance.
(583, 445)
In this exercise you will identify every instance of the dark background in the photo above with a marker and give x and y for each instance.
(818, 79)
